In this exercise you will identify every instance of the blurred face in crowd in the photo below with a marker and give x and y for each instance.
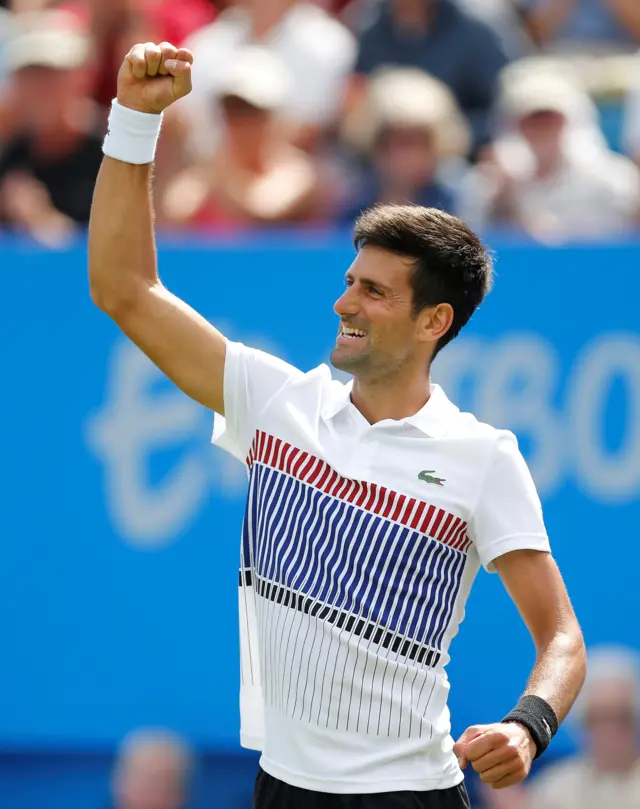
(613, 726)
(150, 777)
(544, 132)
(45, 94)
(247, 126)
(406, 157)
(411, 13)
(378, 304)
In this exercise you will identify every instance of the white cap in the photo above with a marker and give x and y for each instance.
(258, 77)
(409, 97)
(52, 39)
(542, 92)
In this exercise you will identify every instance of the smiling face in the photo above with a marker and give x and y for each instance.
(380, 335)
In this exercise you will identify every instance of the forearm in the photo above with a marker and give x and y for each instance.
(628, 12)
(559, 672)
(122, 254)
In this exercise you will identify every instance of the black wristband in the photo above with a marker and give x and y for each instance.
(538, 717)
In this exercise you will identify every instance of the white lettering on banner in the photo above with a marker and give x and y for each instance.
(611, 476)
(133, 424)
(514, 381)
(517, 389)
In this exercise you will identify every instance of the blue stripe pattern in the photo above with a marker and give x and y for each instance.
(296, 536)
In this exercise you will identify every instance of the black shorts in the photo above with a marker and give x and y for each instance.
(273, 794)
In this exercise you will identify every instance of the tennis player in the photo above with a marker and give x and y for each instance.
(371, 505)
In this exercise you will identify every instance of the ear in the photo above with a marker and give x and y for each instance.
(434, 322)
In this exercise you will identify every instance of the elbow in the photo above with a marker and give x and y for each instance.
(114, 300)
(569, 644)
(106, 300)
(97, 296)
(580, 654)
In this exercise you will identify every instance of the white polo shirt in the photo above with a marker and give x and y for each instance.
(360, 543)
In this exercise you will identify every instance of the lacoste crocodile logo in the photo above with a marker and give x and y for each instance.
(428, 477)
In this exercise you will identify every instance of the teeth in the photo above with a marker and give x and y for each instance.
(353, 332)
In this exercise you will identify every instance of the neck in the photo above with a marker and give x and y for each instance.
(253, 159)
(57, 143)
(397, 192)
(62, 136)
(417, 22)
(384, 399)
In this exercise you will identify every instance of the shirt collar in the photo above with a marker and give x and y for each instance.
(433, 419)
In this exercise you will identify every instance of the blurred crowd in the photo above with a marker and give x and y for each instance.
(514, 114)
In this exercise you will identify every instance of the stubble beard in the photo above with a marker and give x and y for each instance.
(367, 369)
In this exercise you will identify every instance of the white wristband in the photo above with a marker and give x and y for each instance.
(132, 136)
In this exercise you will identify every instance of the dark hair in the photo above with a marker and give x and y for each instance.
(451, 265)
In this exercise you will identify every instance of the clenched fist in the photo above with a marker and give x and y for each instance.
(501, 754)
(152, 77)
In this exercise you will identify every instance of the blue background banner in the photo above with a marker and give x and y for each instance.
(120, 523)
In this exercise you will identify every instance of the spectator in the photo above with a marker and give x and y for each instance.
(632, 122)
(153, 771)
(317, 50)
(548, 174)
(439, 38)
(408, 126)
(608, 773)
(255, 176)
(582, 25)
(48, 169)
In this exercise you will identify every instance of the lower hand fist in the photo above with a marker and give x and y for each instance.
(501, 754)
(153, 77)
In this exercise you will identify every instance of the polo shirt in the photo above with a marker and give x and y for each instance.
(360, 543)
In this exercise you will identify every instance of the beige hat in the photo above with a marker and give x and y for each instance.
(408, 97)
(52, 39)
(258, 77)
(540, 84)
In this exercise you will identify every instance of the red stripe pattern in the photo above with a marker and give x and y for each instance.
(416, 514)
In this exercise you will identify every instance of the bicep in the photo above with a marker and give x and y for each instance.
(185, 346)
(535, 585)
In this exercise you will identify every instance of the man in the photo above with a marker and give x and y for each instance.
(255, 176)
(410, 130)
(370, 506)
(316, 49)
(48, 169)
(438, 37)
(551, 174)
(608, 771)
(152, 772)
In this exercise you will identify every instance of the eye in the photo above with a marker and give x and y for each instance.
(348, 282)
(377, 293)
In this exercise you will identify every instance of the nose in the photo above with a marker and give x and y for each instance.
(347, 303)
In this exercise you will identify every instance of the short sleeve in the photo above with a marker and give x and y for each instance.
(508, 515)
(251, 379)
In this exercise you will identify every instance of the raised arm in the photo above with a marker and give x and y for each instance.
(123, 271)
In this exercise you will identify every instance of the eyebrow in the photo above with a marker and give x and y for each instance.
(368, 282)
